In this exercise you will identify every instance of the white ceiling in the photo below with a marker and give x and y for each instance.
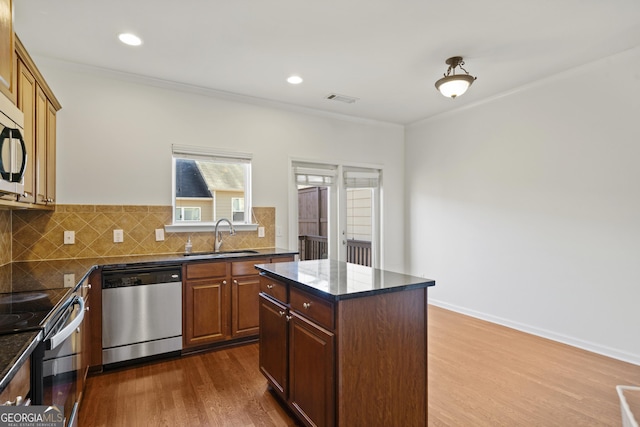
(387, 53)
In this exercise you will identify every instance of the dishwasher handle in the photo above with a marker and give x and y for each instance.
(65, 332)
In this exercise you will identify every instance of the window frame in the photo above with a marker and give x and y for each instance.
(211, 154)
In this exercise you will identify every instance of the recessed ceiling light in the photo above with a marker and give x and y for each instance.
(130, 39)
(295, 80)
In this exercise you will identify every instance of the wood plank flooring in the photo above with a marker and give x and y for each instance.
(480, 374)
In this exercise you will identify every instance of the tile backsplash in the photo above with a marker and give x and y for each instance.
(39, 235)
(5, 237)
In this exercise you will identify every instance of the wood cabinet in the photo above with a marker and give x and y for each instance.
(311, 371)
(39, 105)
(245, 287)
(345, 362)
(274, 344)
(85, 332)
(7, 53)
(26, 102)
(206, 303)
(297, 352)
(94, 293)
(19, 385)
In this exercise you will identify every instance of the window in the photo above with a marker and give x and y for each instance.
(237, 209)
(209, 185)
(184, 213)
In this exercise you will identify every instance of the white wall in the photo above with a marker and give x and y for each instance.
(115, 134)
(526, 209)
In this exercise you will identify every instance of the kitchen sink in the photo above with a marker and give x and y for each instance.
(225, 254)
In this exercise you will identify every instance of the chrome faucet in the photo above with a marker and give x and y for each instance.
(218, 237)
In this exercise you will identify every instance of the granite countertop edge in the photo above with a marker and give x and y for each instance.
(416, 283)
(16, 348)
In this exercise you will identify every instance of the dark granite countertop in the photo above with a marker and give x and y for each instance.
(21, 276)
(336, 280)
(14, 351)
(37, 275)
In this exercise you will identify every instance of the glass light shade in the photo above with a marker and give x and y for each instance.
(455, 85)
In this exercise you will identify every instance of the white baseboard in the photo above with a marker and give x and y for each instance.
(574, 342)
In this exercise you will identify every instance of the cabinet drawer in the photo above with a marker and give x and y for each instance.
(277, 290)
(206, 269)
(244, 268)
(312, 307)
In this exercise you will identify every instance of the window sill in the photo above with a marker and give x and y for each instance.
(201, 227)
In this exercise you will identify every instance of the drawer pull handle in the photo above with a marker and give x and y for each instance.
(306, 305)
(269, 286)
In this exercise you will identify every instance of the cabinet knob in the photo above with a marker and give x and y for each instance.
(281, 313)
(235, 282)
(289, 318)
(86, 309)
(224, 282)
(306, 305)
(88, 286)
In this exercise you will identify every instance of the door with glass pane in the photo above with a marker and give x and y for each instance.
(337, 212)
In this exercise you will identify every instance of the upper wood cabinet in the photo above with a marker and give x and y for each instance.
(26, 98)
(7, 53)
(39, 105)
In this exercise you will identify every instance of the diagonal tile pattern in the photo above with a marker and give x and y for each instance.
(39, 235)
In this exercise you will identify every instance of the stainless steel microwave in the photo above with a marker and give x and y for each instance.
(13, 151)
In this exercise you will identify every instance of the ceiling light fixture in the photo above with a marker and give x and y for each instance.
(295, 80)
(130, 39)
(452, 84)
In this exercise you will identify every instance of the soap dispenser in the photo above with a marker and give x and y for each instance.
(187, 247)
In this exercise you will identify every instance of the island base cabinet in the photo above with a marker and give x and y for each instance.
(273, 344)
(311, 372)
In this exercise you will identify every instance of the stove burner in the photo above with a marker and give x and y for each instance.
(15, 320)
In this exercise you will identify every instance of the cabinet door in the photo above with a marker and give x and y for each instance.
(245, 308)
(41, 146)
(51, 153)
(273, 344)
(26, 97)
(205, 311)
(311, 372)
(7, 54)
(85, 348)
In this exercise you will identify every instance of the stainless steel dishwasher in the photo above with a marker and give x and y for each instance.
(141, 312)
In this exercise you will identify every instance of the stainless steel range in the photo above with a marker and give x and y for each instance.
(55, 362)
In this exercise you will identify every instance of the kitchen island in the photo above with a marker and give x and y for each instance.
(343, 344)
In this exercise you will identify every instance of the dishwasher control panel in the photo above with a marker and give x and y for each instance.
(140, 276)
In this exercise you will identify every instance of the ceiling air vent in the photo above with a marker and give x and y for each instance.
(341, 98)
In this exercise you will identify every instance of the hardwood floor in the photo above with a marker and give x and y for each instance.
(483, 374)
(480, 374)
(218, 388)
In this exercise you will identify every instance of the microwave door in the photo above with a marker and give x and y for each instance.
(13, 160)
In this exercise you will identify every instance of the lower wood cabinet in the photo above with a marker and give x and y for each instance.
(274, 344)
(359, 361)
(220, 300)
(245, 287)
(297, 357)
(311, 371)
(206, 296)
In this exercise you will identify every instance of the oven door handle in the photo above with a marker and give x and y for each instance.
(63, 334)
